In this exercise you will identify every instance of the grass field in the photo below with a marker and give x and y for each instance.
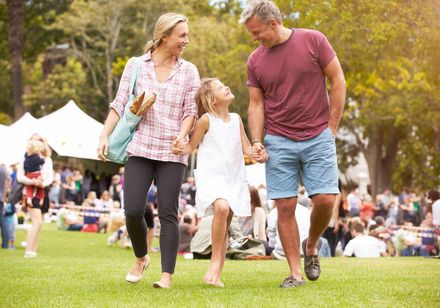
(78, 269)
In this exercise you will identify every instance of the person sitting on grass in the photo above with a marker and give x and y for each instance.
(364, 246)
(201, 244)
(68, 220)
(187, 229)
(255, 225)
(120, 235)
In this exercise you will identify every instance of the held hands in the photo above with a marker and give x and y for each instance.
(259, 152)
(178, 146)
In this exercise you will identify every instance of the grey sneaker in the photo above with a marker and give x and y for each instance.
(292, 282)
(311, 263)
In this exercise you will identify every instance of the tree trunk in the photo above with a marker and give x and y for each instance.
(373, 155)
(15, 39)
(381, 157)
(112, 42)
(388, 160)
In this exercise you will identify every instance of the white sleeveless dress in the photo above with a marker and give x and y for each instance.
(220, 172)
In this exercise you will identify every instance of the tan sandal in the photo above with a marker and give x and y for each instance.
(136, 278)
(160, 285)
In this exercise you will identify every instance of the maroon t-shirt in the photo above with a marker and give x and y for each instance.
(291, 77)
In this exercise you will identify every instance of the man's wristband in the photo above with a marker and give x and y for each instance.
(255, 141)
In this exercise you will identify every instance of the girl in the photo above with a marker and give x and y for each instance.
(32, 169)
(222, 186)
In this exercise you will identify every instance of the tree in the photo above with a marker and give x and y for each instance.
(36, 38)
(100, 32)
(385, 48)
(15, 40)
(51, 92)
(219, 48)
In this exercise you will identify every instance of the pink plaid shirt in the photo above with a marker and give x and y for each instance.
(175, 101)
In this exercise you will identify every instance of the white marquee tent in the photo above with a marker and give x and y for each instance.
(69, 130)
(13, 138)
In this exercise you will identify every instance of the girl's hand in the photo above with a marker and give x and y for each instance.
(259, 152)
(103, 148)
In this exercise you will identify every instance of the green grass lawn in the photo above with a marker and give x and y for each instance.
(78, 269)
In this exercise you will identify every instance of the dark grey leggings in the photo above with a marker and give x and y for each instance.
(139, 173)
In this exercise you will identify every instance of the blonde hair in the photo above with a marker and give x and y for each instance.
(264, 10)
(164, 27)
(34, 147)
(205, 97)
(46, 151)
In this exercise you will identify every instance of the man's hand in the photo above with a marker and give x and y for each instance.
(334, 130)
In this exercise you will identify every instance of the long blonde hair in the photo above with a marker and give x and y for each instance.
(205, 97)
(164, 27)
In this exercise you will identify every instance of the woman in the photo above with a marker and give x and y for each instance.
(169, 120)
(35, 210)
(254, 225)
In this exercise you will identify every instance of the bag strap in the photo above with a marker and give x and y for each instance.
(133, 80)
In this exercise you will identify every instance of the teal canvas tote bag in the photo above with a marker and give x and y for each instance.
(126, 126)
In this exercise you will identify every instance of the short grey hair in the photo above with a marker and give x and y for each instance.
(263, 9)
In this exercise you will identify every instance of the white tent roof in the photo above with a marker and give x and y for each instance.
(71, 132)
(13, 138)
(2, 128)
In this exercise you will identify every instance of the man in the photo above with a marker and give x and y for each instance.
(289, 107)
(364, 246)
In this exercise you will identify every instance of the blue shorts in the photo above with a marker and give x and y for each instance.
(314, 160)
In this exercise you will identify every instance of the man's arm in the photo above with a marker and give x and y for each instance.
(334, 73)
(256, 114)
(256, 119)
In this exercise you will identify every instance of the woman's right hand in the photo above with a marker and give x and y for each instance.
(103, 148)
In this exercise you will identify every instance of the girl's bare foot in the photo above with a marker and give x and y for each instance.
(213, 273)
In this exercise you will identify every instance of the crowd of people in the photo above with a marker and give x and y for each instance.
(406, 224)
